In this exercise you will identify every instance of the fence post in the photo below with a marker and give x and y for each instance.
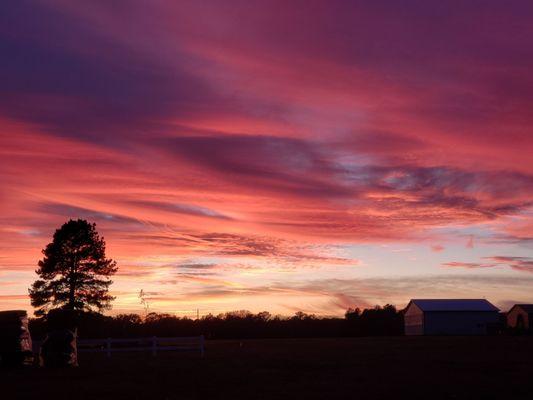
(108, 347)
(201, 345)
(154, 346)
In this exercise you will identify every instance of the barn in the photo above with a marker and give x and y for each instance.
(450, 317)
(520, 316)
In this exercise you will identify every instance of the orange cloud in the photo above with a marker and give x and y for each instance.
(265, 139)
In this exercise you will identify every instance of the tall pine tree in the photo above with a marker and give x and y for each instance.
(74, 272)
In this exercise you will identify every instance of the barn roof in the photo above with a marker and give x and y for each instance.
(454, 305)
(526, 307)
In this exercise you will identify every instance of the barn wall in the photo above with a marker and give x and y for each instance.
(414, 321)
(513, 315)
(459, 322)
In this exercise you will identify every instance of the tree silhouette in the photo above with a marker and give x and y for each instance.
(74, 272)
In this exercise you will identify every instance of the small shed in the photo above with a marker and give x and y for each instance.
(520, 316)
(15, 339)
(450, 317)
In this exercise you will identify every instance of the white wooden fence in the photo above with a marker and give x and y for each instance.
(153, 344)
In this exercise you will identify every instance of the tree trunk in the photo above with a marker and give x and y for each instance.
(71, 298)
(72, 285)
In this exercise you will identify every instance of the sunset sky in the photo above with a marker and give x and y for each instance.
(272, 155)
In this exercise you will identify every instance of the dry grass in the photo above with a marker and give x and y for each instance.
(363, 368)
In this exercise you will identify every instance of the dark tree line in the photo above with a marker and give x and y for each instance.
(378, 321)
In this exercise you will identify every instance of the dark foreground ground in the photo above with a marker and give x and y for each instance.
(362, 368)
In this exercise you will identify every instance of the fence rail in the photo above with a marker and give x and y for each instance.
(153, 344)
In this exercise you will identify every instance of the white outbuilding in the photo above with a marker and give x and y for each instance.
(450, 317)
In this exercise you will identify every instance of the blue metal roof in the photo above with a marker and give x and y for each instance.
(454, 305)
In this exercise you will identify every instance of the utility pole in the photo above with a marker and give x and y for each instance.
(197, 314)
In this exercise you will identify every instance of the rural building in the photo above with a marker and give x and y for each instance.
(520, 316)
(450, 317)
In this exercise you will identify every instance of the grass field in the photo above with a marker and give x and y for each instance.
(362, 368)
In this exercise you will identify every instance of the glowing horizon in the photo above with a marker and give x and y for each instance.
(283, 157)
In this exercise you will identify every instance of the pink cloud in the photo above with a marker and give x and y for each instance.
(522, 264)
(207, 130)
(437, 248)
(467, 265)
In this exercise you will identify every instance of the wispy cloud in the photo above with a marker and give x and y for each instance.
(468, 265)
(270, 135)
(522, 264)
